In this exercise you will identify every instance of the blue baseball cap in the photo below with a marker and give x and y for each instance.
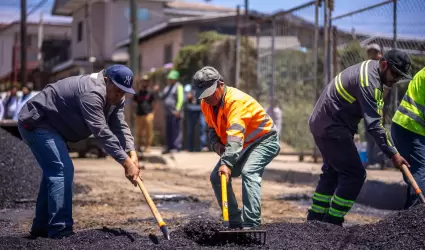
(122, 77)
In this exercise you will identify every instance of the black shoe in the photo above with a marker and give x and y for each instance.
(38, 233)
(314, 216)
(235, 225)
(333, 220)
(62, 234)
(165, 152)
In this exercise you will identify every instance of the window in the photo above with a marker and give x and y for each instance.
(80, 31)
(168, 53)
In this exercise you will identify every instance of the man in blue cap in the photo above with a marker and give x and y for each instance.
(71, 110)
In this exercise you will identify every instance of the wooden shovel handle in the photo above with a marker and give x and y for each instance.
(412, 181)
(152, 206)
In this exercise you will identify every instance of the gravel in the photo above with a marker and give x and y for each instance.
(402, 230)
(19, 173)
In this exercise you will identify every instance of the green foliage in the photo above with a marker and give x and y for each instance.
(193, 57)
(352, 54)
(296, 92)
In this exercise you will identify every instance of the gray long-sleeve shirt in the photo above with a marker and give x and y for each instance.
(76, 107)
(353, 94)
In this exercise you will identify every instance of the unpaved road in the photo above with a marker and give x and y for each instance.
(105, 197)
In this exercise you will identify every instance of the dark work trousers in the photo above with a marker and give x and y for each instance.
(412, 147)
(172, 132)
(342, 177)
(195, 118)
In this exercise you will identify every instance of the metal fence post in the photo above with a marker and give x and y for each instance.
(326, 43)
(258, 92)
(238, 47)
(273, 62)
(395, 47)
(316, 63)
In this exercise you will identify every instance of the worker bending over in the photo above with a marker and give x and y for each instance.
(408, 133)
(353, 94)
(241, 132)
(71, 110)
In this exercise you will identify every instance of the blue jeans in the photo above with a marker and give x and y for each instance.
(412, 147)
(251, 167)
(53, 212)
(193, 117)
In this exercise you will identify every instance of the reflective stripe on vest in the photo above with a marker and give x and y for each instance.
(341, 91)
(365, 76)
(409, 115)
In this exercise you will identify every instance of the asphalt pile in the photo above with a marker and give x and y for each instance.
(403, 230)
(19, 173)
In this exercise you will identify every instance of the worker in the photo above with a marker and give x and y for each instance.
(173, 97)
(353, 94)
(373, 51)
(146, 106)
(245, 138)
(70, 110)
(408, 133)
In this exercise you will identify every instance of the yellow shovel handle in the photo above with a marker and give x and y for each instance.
(224, 198)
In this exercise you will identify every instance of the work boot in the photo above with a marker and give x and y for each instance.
(38, 233)
(314, 216)
(235, 225)
(333, 220)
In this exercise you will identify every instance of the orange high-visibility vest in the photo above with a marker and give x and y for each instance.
(240, 118)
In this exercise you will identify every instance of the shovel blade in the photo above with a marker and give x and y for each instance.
(242, 237)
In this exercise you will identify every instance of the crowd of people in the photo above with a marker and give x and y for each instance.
(11, 103)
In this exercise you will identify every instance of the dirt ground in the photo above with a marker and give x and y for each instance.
(104, 197)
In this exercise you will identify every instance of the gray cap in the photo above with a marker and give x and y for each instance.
(373, 46)
(205, 81)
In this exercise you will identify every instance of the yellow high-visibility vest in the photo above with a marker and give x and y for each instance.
(410, 113)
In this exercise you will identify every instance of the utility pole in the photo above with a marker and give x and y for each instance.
(238, 47)
(134, 52)
(246, 23)
(23, 42)
(40, 42)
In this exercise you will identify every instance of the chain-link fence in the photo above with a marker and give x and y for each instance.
(370, 32)
(300, 50)
(290, 71)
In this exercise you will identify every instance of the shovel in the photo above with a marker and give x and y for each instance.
(412, 181)
(240, 237)
(158, 217)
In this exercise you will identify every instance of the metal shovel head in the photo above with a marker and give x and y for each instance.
(242, 237)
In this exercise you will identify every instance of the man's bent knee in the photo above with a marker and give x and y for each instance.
(214, 178)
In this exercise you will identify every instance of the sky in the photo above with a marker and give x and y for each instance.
(378, 21)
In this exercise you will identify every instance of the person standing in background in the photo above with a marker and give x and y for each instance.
(145, 111)
(195, 117)
(173, 97)
(10, 103)
(275, 113)
(26, 95)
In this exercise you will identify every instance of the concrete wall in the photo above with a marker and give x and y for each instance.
(152, 50)
(111, 24)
